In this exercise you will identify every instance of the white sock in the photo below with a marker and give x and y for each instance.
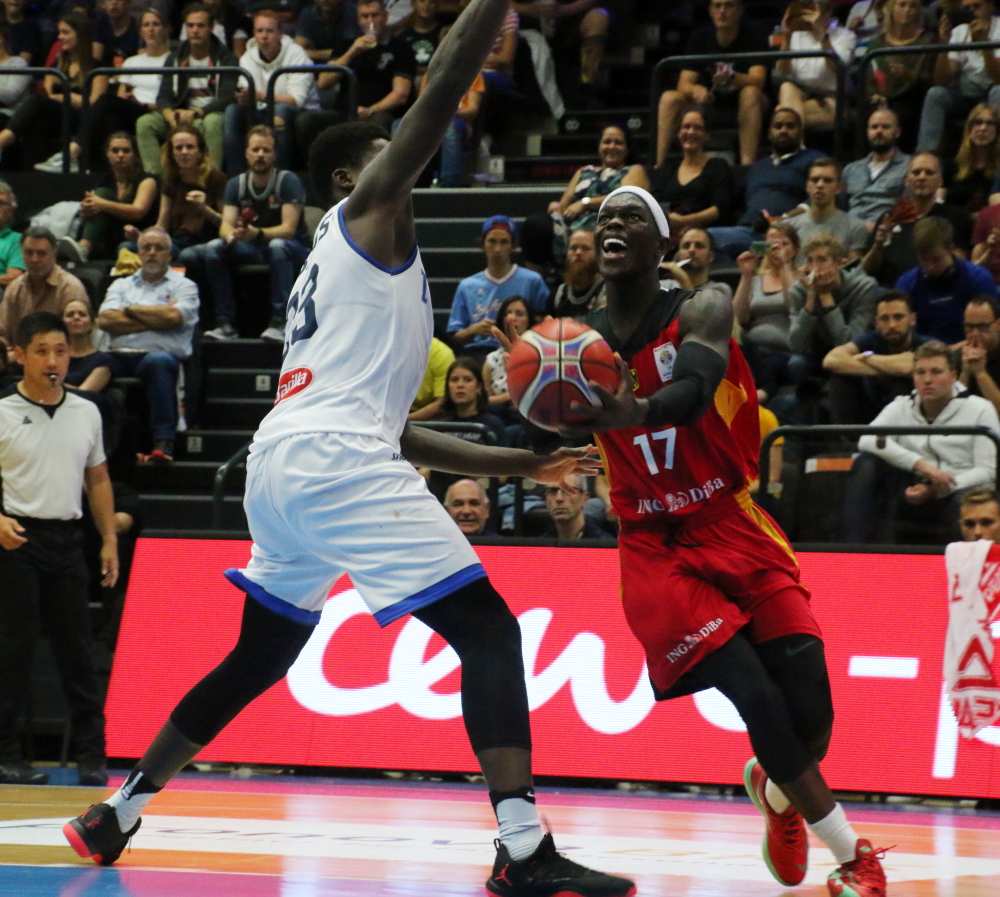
(520, 832)
(836, 833)
(776, 798)
(130, 800)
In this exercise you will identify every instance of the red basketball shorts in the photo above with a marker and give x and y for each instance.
(686, 596)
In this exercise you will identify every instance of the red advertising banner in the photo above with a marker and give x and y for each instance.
(360, 696)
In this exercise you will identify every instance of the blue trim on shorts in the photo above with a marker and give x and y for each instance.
(272, 602)
(431, 594)
(365, 255)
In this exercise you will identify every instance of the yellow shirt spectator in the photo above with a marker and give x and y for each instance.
(432, 389)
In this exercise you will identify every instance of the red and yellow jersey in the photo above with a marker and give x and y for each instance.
(668, 475)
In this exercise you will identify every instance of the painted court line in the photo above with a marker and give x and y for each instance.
(717, 860)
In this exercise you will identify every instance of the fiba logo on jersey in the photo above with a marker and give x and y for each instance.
(291, 382)
(665, 356)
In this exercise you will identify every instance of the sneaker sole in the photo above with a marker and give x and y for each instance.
(77, 842)
(629, 893)
(752, 792)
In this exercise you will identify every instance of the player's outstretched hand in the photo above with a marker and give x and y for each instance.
(552, 470)
(618, 410)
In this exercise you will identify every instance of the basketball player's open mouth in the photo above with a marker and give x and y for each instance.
(613, 247)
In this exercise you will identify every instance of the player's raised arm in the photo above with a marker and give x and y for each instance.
(388, 181)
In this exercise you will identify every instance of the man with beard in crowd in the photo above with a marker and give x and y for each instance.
(775, 184)
(582, 289)
(981, 350)
(875, 367)
(875, 182)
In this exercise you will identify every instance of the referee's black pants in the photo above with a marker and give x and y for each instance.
(43, 590)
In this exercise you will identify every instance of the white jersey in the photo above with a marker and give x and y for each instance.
(356, 343)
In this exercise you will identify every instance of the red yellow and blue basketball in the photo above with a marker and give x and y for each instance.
(549, 369)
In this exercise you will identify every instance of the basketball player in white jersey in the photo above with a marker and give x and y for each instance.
(332, 489)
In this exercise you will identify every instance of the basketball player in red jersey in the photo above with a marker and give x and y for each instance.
(710, 585)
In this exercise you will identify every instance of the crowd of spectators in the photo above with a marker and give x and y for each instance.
(865, 284)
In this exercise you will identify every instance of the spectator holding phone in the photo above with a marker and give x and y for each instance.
(762, 307)
(977, 72)
(809, 85)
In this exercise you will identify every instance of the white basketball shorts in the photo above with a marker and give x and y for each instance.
(323, 504)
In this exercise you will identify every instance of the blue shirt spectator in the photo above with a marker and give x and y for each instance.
(478, 298)
(775, 184)
(940, 293)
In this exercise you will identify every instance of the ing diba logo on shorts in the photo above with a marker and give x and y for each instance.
(693, 639)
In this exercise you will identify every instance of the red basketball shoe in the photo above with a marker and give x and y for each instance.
(785, 847)
(862, 876)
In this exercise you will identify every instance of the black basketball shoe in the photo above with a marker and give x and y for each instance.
(96, 834)
(547, 873)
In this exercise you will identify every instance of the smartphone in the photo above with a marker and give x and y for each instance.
(760, 247)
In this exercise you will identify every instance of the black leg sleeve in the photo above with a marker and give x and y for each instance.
(737, 671)
(267, 647)
(477, 623)
(797, 665)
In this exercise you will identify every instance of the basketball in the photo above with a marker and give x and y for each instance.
(549, 369)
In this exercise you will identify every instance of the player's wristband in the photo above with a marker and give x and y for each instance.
(698, 371)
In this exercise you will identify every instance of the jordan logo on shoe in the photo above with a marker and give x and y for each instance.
(503, 876)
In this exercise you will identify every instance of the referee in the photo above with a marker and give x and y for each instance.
(50, 449)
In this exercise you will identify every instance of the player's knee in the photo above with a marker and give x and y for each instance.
(756, 701)
(819, 744)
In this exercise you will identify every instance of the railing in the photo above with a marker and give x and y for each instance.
(221, 478)
(860, 142)
(821, 431)
(761, 58)
(112, 72)
(347, 76)
(67, 103)
(488, 438)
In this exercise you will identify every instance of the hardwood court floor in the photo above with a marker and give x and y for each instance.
(212, 836)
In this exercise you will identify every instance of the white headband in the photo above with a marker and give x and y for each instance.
(647, 198)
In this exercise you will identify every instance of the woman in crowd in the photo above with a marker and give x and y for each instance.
(969, 178)
(192, 192)
(762, 309)
(697, 186)
(89, 367)
(136, 94)
(543, 237)
(127, 196)
(900, 82)
(13, 89)
(465, 402)
(809, 85)
(515, 312)
(40, 115)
